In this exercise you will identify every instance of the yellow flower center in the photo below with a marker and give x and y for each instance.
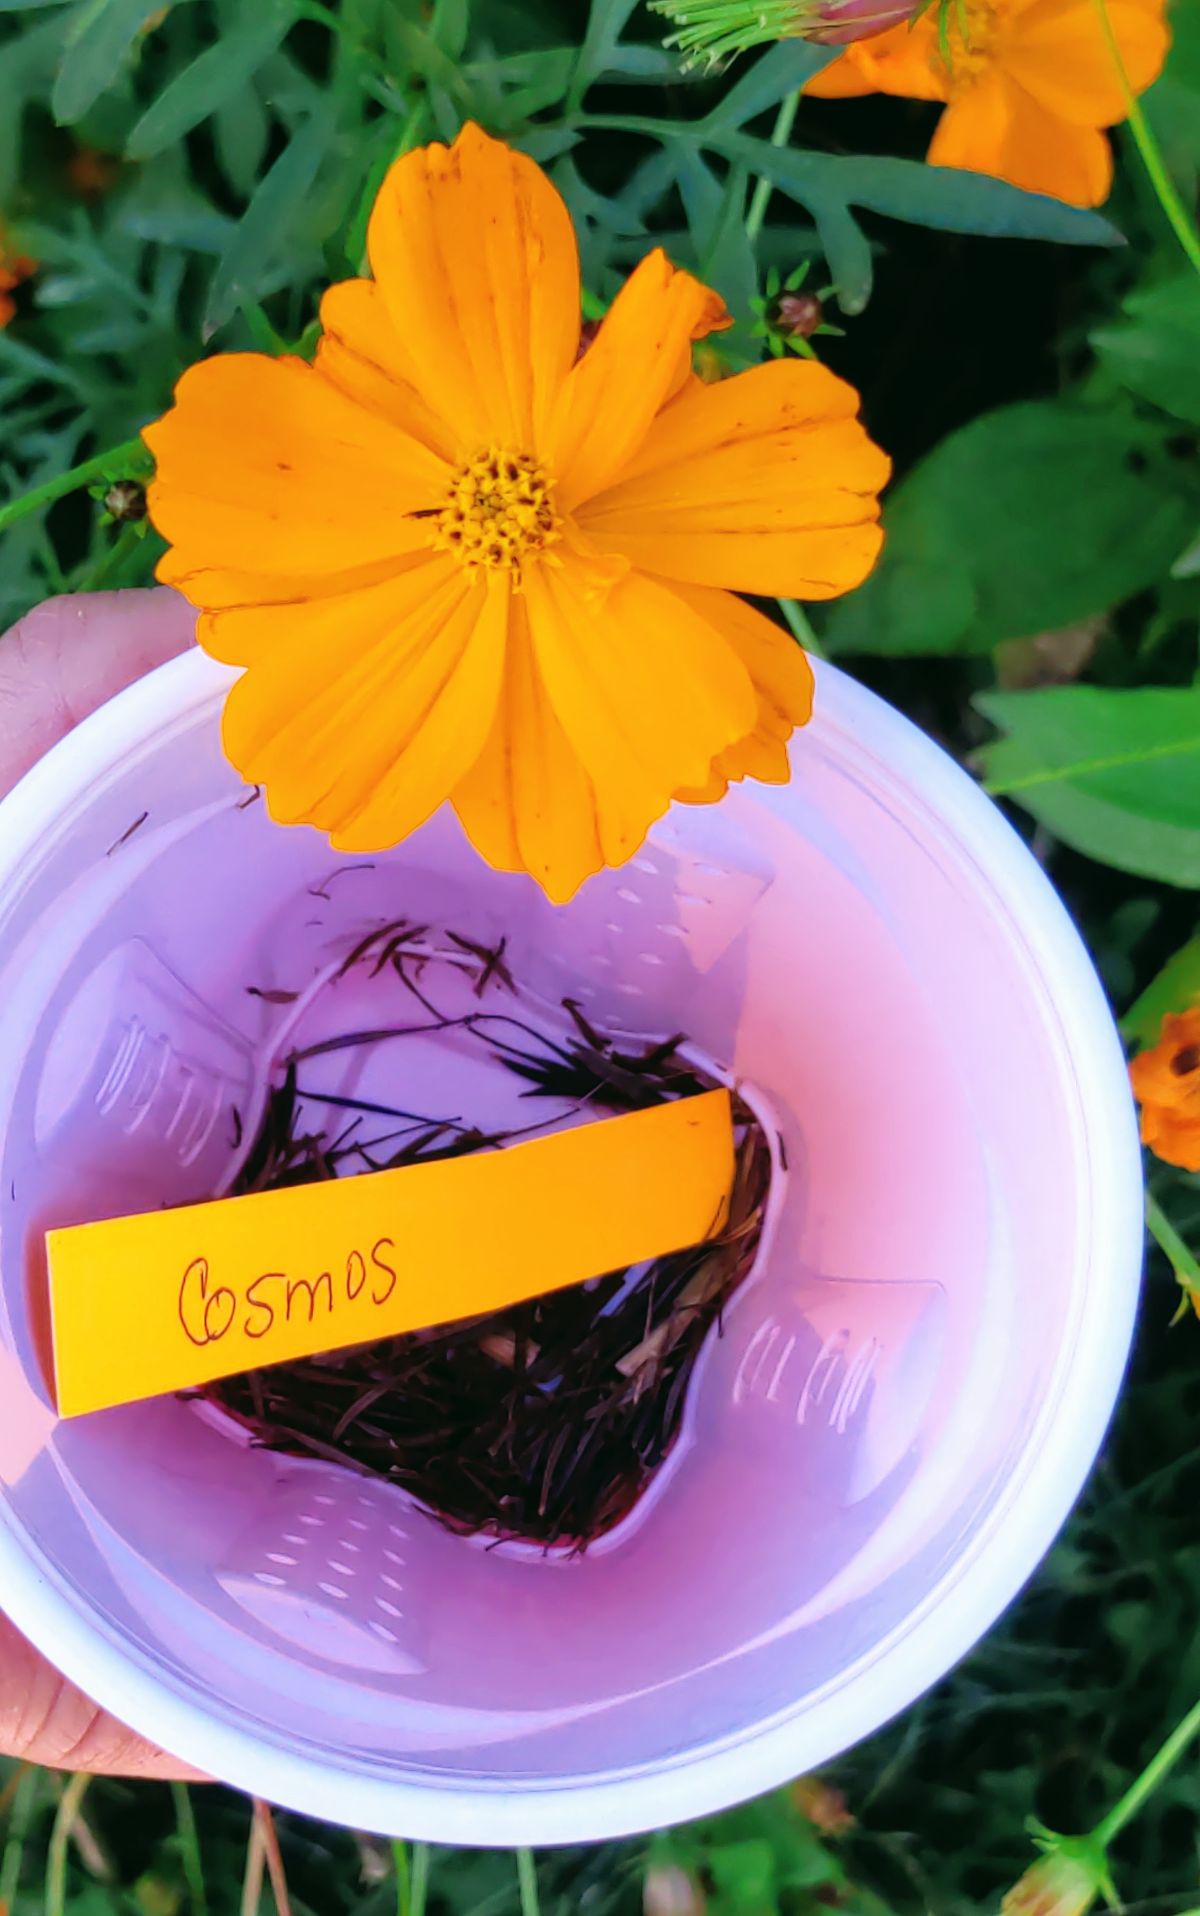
(500, 511)
(969, 43)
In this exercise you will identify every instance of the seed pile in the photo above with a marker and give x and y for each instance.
(544, 1421)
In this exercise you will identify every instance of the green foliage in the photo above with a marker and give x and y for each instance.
(1116, 774)
(1155, 351)
(96, 44)
(1174, 988)
(763, 1857)
(215, 77)
(1026, 519)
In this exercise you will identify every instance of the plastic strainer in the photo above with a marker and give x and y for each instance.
(908, 1393)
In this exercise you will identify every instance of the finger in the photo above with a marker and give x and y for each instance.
(69, 655)
(44, 1719)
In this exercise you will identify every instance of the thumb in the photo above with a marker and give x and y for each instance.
(70, 654)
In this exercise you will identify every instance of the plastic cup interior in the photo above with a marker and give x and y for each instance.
(907, 1392)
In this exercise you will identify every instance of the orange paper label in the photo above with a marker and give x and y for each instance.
(171, 1299)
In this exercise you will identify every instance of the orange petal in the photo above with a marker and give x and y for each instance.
(845, 78)
(475, 257)
(223, 592)
(527, 804)
(359, 352)
(265, 468)
(574, 773)
(765, 483)
(646, 692)
(248, 619)
(1059, 54)
(1174, 1139)
(783, 684)
(902, 61)
(974, 129)
(451, 730)
(361, 713)
(639, 358)
(997, 128)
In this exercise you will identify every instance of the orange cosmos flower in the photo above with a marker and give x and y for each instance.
(14, 267)
(1166, 1083)
(1028, 85)
(459, 561)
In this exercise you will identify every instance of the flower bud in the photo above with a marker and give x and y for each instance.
(798, 315)
(715, 30)
(125, 501)
(1065, 1880)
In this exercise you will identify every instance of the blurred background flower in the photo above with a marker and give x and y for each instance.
(1028, 85)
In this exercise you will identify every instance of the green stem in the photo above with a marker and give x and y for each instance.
(1152, 159)
(60, 1837)
(801, 627)
(631, 123)
(110, 561)
(403, 1878)
(1149, 1780)
(1185, 1266)
(265, 337)
(18, 1833)
(97, 468)
(421, 1859)
(185, 1824)
(527, 1879)
(781, 133)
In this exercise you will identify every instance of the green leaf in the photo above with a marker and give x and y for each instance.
(280, 191)
(97, 44)
(606, 23)
(241, 130)
(452, 21)
(714, 212)
(210, 80)
(1173, 103)
(744, 1875)
(787, 66)
(954, 201)
(1187, 565)
(847, 252)
(1115, 774)
(1176, 986)
(1026, 520)
(1156, 353)
(27, 65)
(938, 196)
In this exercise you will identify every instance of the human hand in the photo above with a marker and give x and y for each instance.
(57, 665)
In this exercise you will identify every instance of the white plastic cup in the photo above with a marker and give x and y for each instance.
(909, 1391)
